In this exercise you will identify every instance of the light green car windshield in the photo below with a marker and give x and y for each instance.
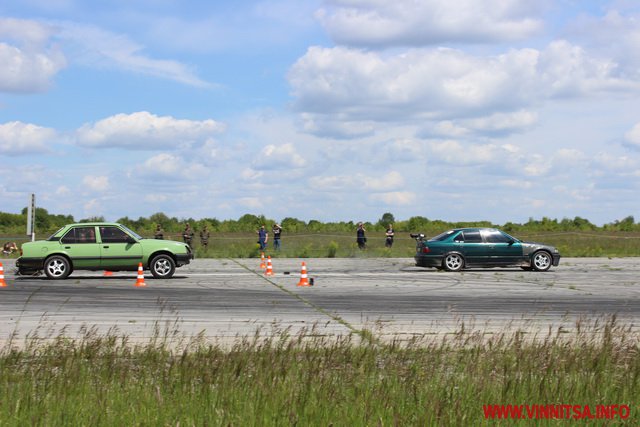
(133, 233)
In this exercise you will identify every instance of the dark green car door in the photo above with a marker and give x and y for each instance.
(80, 244)
(503, 249)
(472, 247)
(119, 250)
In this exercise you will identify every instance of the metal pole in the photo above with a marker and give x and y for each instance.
(31, 217)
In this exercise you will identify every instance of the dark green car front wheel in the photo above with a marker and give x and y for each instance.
(541, 261)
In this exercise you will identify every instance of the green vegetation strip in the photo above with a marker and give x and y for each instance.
(297, 380)
(574, 237)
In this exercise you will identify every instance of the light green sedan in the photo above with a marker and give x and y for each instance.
(101, 246)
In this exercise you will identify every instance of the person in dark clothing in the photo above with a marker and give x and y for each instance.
(159, 233)
(389, 239)
(263, 237)
(360, 237)
(276, 229)
(187, 235)
(204, 237)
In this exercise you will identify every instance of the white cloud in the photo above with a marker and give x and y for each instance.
(537, 165)
(93, 207)
(416, 23)
(516, 184)
(387, 182)
(455, 153)
(29, 61)
(342, 85)
(98, 48)
(166, 166)
(503, 123)
(358, 182)
(405, 150)
(613, 35)
(253, 202)
(338, 127)
(96, 183)
(155, 198)
(395, 198)
(249, 174)
(146, 131)
(281, 157)
(62, 190)
(17, 138)
(633, 136)
(615, 163)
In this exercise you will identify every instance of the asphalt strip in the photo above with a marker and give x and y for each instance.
(335, 317)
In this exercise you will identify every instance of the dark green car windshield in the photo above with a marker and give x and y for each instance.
(443, 236)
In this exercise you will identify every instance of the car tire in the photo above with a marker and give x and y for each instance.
(57, 267)
(162, 267)
(541, 261)
(453, 262)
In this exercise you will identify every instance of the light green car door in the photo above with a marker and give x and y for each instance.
(119, 250)
(81, 245)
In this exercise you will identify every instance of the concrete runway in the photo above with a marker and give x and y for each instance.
(221, 299)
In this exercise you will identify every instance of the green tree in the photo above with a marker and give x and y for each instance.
(386, 219)
(293, 225)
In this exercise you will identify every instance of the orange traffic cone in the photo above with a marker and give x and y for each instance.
(140, 281)
(304, 279)
(262, 264)
(2, 282)
(107, 273)
(269, 271)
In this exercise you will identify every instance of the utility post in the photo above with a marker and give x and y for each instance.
(31, 218)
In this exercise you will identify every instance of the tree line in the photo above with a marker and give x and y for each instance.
(48, 223)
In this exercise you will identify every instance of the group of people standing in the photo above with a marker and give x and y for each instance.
(361, 239)
(263, 237)
(187, 235)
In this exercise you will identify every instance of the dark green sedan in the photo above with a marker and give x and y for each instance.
(461, 248)
(101, 246)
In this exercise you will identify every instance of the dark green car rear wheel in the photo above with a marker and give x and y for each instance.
(453, 262)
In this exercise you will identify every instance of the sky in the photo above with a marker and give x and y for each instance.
(334, 110)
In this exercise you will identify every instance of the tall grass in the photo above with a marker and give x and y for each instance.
(309, 379)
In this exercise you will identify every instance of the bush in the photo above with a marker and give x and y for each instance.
(332, 249)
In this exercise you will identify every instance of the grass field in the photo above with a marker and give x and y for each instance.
(311, 380)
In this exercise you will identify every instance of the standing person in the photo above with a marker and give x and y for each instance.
(263, 238)
(187, 235)
(360, 237)
(276, 236)
(389, 240)
(159, 233)
(204, 237)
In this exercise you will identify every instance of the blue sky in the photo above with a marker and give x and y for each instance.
(333, 110)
